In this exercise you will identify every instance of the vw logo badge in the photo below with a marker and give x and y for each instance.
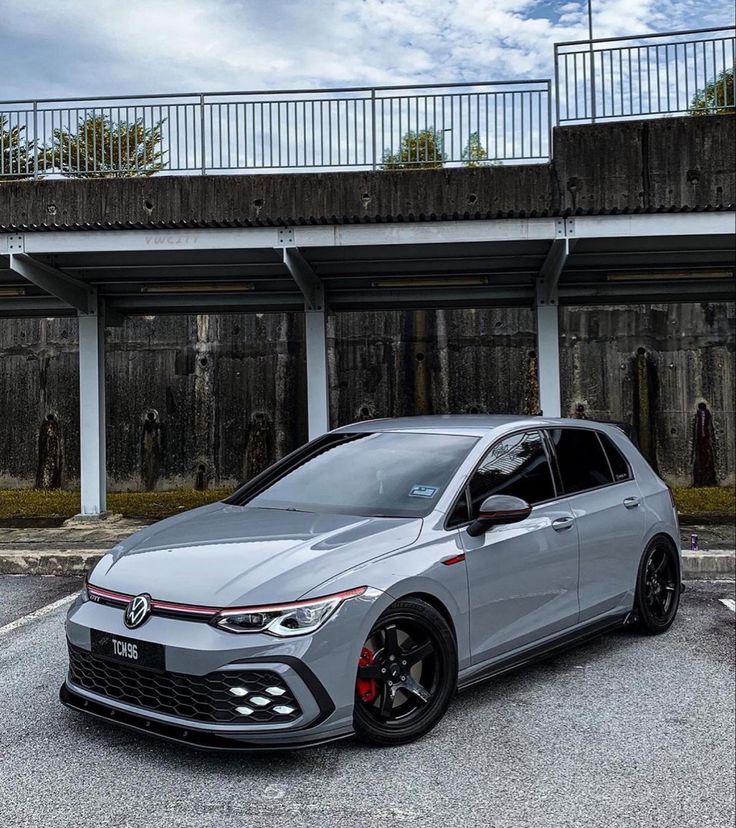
(137, 611)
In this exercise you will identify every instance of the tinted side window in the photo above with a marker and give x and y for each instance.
(619, 465)
(580, 459)
(516, 465)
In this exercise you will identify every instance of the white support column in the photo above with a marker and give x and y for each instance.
(548, 322)
(318, 396)
(315, 322)
(548, 359)
(92, 445)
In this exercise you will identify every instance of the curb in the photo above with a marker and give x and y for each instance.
(57, 562)
(716, 564)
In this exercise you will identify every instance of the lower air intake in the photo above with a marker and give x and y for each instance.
(232, 697)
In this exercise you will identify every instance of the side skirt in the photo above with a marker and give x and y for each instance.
(544, 650)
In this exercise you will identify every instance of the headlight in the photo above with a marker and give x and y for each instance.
(298, 618)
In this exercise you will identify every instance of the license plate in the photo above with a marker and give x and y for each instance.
(128, 650)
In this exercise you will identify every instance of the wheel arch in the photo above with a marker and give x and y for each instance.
(661, 533)
(454, 611)
(437, 604)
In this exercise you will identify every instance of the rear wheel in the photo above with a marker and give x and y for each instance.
(407, 674)
(658, 587)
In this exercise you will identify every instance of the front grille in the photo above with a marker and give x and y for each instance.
(200, 698)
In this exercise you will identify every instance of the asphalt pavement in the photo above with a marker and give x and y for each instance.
(623, 731)
(20, 596)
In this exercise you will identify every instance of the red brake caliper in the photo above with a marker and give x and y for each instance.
(367, 689)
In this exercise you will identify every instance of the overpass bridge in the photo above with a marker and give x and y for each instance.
(624, 211)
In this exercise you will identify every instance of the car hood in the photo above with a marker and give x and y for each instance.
(224, 556)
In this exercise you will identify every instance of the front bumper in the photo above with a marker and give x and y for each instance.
(190, 735)
(317, 673)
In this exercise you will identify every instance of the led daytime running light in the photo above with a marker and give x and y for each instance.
(284, 619)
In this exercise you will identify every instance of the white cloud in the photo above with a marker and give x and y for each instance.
(68, 47)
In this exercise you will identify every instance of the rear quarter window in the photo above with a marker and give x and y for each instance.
(581, 460)
(619, 464)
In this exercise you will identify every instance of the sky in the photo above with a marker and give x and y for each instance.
(66, 48)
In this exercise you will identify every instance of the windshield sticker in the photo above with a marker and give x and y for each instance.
(423, 491)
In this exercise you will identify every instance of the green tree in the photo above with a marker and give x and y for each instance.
(102, 148)
(17, 154)
(716, 97)
(474, 154)
(422, 150)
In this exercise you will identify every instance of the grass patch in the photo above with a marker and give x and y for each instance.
(34, 503)
(705, 501)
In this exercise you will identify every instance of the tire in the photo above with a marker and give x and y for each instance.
(658, 587)
(407, 674)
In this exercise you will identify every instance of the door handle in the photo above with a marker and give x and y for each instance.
(631, 502)
(562, 523)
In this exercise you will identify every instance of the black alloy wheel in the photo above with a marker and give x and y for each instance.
(407, 674)
(658, 587)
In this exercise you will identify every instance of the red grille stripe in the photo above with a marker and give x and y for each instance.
(191, 609)
(106, 593)
(162, 605)
(165, 605)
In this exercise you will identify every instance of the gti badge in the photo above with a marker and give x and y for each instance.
(137, 611)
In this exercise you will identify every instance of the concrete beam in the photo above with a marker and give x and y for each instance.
(241, 238)
(520, 230)
(71, 291)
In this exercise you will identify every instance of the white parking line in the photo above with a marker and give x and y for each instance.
(36, 614)
(729, 602)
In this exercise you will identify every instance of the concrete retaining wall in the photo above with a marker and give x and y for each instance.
(202, 400)
(669, 163)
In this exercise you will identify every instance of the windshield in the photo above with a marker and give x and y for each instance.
(389, 474)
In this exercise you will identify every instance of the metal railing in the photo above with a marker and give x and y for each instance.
(645, 75)
(393, 127)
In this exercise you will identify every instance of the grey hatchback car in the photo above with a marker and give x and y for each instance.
(357, 584)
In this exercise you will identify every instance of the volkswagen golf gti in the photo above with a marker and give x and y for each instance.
(355, 586)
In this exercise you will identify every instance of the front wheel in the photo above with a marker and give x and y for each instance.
(658, 587)
(407, 674)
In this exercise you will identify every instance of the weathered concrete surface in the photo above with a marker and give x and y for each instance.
(662, 164)
(228, 393)
(665, 163)
(709, 566)
(688, 352)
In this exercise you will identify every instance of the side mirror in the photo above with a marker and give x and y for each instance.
(498, 509)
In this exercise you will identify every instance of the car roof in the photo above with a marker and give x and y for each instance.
(475, 425)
